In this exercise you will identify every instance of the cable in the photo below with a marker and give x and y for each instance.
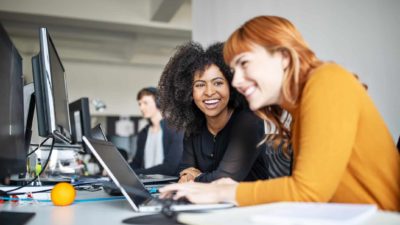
(46, 190)
(40, 145)
(40, 173)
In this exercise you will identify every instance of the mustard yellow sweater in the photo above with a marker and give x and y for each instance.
(343, 151)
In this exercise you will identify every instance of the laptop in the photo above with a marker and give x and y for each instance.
(98, 133)
(128, 182)
(154, 180)
(157, 179)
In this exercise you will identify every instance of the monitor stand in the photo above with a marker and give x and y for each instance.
(29, 121)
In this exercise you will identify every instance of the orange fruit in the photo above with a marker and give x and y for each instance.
(63, 194)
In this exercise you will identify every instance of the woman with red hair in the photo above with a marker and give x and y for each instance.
(342, 149)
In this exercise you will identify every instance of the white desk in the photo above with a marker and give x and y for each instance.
(114, 211)
(242, 215)
(90, 213)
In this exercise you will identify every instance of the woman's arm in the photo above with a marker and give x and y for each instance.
(242, 150)
(188, 158)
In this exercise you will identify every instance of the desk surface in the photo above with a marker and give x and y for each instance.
(96, 212)
(114, 211)
(242, 215)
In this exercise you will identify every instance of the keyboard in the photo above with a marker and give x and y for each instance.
(167, 202)
(153, 188)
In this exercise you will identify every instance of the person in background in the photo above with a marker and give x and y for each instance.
(342, 150)
(221, 133)
(159, 146)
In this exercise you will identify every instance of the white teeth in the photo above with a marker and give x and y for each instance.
(249, 91)
(213, 101)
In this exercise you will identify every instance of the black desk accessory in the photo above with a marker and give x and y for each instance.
(152, 219)
(15, 218)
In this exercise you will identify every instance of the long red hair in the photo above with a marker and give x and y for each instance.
(276, 34)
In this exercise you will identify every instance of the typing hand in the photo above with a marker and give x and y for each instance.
(201, 192)
(188, 174)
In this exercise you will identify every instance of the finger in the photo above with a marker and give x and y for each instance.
(179, 194)
(190, 174)
(190, 178)
(187, 170)
(166, 195)
(182, 179)
(163, 195)
(171, 187)
(182, 173)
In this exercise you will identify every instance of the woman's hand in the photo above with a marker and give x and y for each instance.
(202, 193)
(225, 180)
(188, 174)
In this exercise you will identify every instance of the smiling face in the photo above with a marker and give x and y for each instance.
(211, 91)
(258, 75)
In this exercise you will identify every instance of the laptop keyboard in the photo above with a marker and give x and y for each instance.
(168, 201)
(153, 189)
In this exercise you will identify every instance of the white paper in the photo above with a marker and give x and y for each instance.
(315, 213)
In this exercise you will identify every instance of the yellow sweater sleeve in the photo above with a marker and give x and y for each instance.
(325, 126)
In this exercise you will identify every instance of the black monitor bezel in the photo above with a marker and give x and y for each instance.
(82, 106)
(44, 93)
(13, 152)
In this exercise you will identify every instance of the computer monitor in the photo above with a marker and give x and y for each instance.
(80, 119)
(12, 151)
(50, 90)
(98, 133)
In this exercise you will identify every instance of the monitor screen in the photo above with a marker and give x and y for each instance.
(50, 90)
(12, 151)
(80, 119)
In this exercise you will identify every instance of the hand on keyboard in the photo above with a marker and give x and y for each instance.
(171, 201)
(168, 202)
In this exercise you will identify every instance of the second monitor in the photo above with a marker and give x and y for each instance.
(50, 90)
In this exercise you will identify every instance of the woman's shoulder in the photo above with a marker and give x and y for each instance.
(245, 113)
(330, 75)
(245, 117)
(330, 72)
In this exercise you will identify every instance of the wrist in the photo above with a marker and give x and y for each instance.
(228, 193)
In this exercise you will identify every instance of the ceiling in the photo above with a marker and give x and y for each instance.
(133, 32)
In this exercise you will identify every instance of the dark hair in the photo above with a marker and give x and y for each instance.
(152, 91)
(176, 83)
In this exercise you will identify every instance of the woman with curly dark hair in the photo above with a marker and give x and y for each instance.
(221, 133)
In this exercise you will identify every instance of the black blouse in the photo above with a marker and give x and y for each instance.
(231, 153)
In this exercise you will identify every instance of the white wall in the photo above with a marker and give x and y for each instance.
(116, 85)
(362, 35)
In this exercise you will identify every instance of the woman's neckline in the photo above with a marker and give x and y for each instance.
(216, 131)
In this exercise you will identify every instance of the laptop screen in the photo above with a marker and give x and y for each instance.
(119, 168)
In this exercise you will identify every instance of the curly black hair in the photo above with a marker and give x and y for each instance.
(175, 85)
